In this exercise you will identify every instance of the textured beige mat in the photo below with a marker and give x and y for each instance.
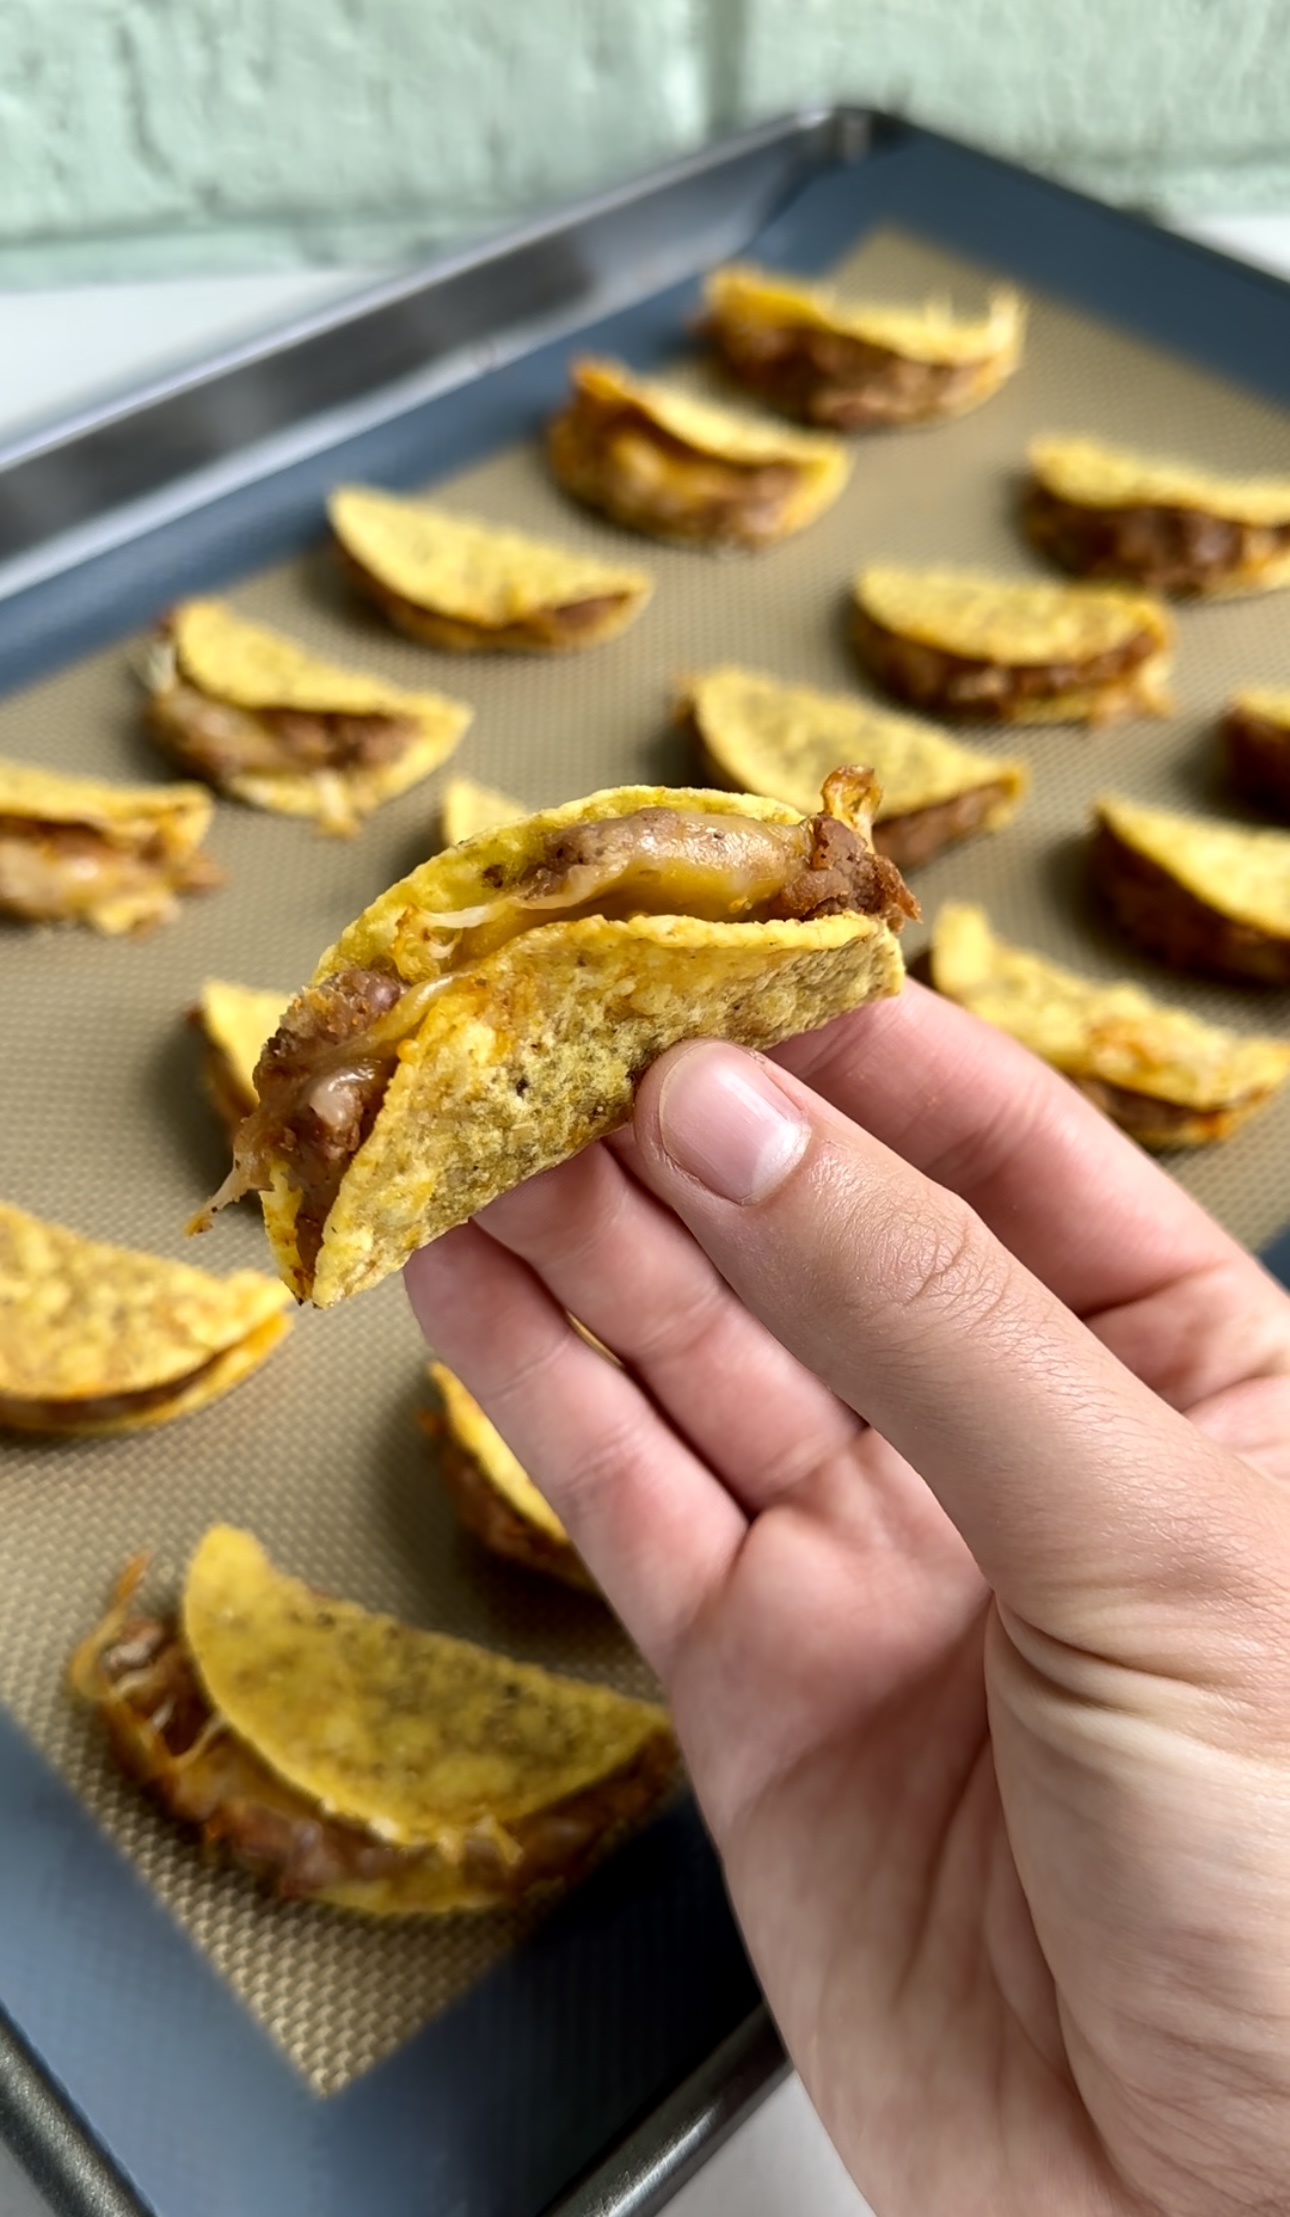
(105, 1128)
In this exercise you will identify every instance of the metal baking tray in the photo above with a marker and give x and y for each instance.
(597, 2065)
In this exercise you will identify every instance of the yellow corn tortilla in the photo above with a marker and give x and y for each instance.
(708, 431)
(424, 1739)
(1237, 872)
(467, 808)
(1261, 700)
(1111, 1033)
(533, 1051)
(1020, 622)
(930, 332)
(493, 1493)
(236, 1020)
(167, 823)
(476, 580)
(782, 740)
(252, 669)
(83, 1323)
(1095, 475)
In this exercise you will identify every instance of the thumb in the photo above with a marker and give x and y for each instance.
(1073, 1485)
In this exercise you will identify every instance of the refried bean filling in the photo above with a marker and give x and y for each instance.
(540, 627)
(706, 488)
(1173, 550)
(933, 677)
(221, 740)
(322, 1078)
(825, 377)
(101, 1408)
(50, 871)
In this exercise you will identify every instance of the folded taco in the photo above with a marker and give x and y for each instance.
(95, 1338)
(466, 808)
(345, 1757)
(1256, 741)
(661, 460)
(467, 585)
(234, 1021)
(282, 729)
(851, 364)
(79, 850)
(1103, 511)
(1166, 1077)
(491, 1491)
(1201, 894)
(1007, 650)
(761, 736)
(492, 1013)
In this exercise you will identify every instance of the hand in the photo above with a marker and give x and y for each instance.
(943, 1485)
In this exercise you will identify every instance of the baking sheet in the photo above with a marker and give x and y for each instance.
(106, 1129)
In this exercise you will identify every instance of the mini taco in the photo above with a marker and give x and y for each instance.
(661, 460)
(467, 585)
(280, 728)
(1101, 511)
(234, 1022)
(491, 1491)
(466, 809)
(344, 1757)
(97, 1339)
(761, 736)
(492, 1013)
(1256, 741)
(116, 857)
(854, 365)
(1201, 895)
(1165, 1077)
(1006, 650)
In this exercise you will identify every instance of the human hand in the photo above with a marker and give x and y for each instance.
(943, 1485)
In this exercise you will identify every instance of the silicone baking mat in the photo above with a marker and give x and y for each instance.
(106, 1128)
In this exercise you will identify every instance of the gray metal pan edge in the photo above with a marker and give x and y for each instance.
(802, 188)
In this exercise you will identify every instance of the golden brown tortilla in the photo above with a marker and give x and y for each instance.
(469, 586)
(1201, 894)
(79, 850)
(467, 808)
(660, 459)
(1104, 511)
(492, 1492)
(235, 1021)
(760, 735)
(1165, 1075)
(497, 1043)
(100, 1339)
(283, 729)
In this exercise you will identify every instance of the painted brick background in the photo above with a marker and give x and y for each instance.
(140, 135)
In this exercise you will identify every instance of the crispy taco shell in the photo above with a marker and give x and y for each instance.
(1101, 511)
(761, 736)
(492, 1492)
(466, 809)
(853, 365)
(234, 1022)
(345, 1757)
(467, 585)
(100, 1339)
(964, 643)
(1163, 1075)
(79, 850)
(1202, 895)
(1256, 741)
(491, 1014)
(661, 460)
(284, 730)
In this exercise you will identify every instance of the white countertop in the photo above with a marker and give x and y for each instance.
(59, 349)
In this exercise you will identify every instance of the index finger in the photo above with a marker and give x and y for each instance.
(1076, 1201)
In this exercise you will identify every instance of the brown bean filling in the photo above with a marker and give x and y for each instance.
(617, 457)
(322, 1078)
(956, 685)
(487, 1513)
(846, 384)
(1173, 550)
(1171, 922)
(221, 742)
(101, 1408)
(560, 625)
(1156, 1123)
(165, 1734)
(1258, 758)
(53, 873)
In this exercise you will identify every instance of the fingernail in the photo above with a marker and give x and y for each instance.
(724, 1121)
